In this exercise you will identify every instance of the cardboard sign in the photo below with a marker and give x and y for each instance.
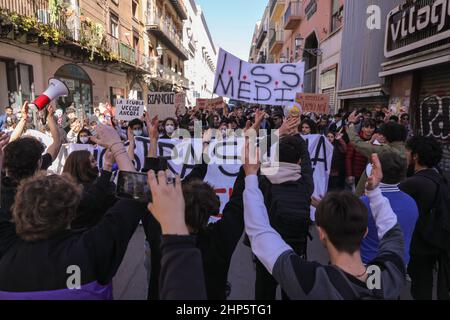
(209, 104)
(180, 102)
(128, 110)
(318, 103)
(269, 84)
(161, 104)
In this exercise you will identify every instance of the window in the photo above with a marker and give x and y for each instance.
(114, 25)
(134, 9)
(25, 79)
(311, 9)
(136, 42)
(337, 15)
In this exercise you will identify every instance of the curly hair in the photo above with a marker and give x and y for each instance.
(393, 132)
(201, 204)
(45, 206)
(175, 122)
(428, 150)
(312, 125)
(22, 157)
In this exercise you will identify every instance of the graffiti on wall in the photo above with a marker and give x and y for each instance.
(435, 117)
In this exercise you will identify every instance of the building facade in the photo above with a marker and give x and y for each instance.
(404, 65)
(308, 30)
(102, 50)
(201, 66)
(254, 51)
(259, 52)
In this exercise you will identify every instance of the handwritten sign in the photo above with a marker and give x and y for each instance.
(309, 102)
(209, 104)
(128, 110)
(161, 104)
(180, 102)
(269, 84)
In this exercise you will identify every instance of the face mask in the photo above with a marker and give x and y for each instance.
(137, 133)
(84, 140)
(170, 129)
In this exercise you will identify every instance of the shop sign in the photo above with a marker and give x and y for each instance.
(416, 24)
(328, 79)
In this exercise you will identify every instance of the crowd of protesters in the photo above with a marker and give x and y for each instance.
(384, 185)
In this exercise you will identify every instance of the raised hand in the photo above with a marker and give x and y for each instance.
(316, 201)
(130, 134)
(251, 158)
(289, 127)
(50, 111)
(24, 110)
(108, 160)
(167, 204)
(107, 136)
(152, 126)
(4, 140)
(353, 118)
(259, 117)
(377, 174)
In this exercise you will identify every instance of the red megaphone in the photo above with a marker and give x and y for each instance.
(56, 89)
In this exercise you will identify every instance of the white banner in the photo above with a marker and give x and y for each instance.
(219, 175)
(270, 84)
(128, 110)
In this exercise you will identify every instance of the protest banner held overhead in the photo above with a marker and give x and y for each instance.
(216, 103)
(224, 163)
(164, 104)
(311, 102)
(270, 84)
(128, 110)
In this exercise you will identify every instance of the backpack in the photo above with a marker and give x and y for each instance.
(288, 209)
(435, 226)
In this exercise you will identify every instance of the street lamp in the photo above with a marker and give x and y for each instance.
(159, 51)
(298, 41)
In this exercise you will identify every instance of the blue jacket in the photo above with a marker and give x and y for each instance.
(2, 121)
(407, 214)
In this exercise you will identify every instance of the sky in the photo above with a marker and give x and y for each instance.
(232, 22)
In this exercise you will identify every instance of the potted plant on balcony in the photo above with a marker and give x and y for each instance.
(49, 35)
(6, 25)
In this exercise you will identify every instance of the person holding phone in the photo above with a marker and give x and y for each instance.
(43, 212)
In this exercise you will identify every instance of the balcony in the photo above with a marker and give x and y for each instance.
(277, 9)
(262, 33)
(276, 41)
(76, 34)
(126, 54)
(180, 8)
(293, 15)
(33, 17)
(165, 32)
(167, 75)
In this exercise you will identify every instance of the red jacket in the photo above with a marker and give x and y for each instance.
(355, 163)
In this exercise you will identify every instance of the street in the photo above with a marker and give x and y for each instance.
(130, 284)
